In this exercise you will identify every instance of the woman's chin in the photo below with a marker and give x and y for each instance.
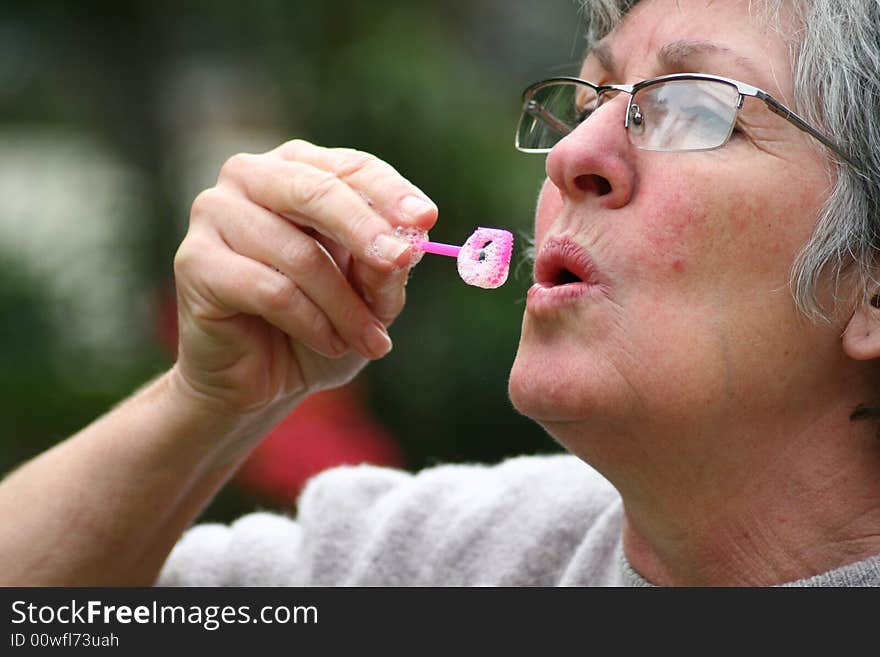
(547, 389)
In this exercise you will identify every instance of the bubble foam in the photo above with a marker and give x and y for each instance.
(415, 237)
(484, 259)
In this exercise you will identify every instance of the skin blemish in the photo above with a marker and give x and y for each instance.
(678, 266)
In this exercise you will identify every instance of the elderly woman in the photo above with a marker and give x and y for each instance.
(702, 331)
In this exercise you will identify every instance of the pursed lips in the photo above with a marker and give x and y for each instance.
(564, 275)
(562, 261)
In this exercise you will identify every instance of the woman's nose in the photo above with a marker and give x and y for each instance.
(594, 160)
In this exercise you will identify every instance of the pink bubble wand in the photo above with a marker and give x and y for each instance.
(438, 248)
(483, 260)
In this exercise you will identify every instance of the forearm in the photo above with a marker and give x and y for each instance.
(106, 506)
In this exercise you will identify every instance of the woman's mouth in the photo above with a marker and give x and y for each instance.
(564, 274)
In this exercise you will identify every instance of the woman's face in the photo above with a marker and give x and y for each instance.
(691, 324)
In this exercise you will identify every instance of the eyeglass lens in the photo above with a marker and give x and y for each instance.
(676, 115)
(551, 113)
(682, 115)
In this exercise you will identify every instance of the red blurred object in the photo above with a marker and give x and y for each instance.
(329, 428)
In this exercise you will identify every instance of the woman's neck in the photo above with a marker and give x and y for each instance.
(759, 505)
(777, 511)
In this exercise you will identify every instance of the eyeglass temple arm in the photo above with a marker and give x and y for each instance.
(778, 108)
(537, 110)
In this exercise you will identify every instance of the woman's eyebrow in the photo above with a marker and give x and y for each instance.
(677, 56)
(689, 54)
(602, 52)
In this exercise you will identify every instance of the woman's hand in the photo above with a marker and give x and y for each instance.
(289, 275)
(286, 281)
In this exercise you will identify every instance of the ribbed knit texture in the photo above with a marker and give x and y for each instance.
(529, 521)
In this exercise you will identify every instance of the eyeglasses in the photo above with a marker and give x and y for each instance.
(671, 113)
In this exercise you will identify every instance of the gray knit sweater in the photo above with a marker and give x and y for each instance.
(529, 521)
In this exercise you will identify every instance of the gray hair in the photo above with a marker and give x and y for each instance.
(835, 56)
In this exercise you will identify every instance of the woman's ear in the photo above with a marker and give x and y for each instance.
(861, 339)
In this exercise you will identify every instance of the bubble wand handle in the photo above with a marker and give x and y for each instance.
(440, 249)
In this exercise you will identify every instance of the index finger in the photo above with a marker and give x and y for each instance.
(318, 199)
(383, 187)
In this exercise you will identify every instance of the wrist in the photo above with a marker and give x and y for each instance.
(228, 433)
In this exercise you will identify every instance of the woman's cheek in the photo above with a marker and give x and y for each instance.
(684, 225)
(670, 236)
(549, 207)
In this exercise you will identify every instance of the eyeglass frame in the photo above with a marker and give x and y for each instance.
(742, 88)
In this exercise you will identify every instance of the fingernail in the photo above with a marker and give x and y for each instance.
(414, 207)
(389, 248)
(377, 341)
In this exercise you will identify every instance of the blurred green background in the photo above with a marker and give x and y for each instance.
(113, 116)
